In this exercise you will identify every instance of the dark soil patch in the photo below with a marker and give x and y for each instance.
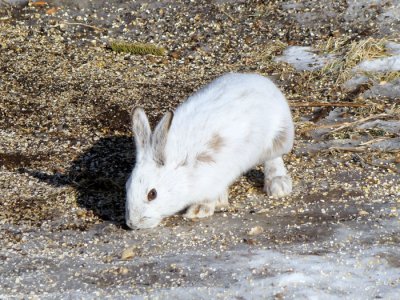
(14, 161)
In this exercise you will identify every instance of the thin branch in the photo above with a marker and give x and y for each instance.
(324, 104)
(82, 24)
(357, 122)
(349, 149)
(342, 125)
(375, 141)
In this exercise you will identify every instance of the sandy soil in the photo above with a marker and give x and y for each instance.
(66, 150)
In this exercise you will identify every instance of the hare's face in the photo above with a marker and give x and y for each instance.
(153, 193)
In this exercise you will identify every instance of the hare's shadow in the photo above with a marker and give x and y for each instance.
(100, 173)
(99, 176)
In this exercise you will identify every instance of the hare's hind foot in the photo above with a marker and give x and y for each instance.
(202, 210)
(277, 182)
(279, 186)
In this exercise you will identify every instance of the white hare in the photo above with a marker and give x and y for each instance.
(195, 154)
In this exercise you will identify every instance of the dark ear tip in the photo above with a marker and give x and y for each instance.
(171, 116)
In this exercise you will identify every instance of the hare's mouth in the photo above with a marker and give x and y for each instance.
(143, 223)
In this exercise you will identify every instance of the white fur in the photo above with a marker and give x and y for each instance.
(247, 112)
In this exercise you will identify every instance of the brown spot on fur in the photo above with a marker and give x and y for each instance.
(197, 210)
(214, 145)
(216, 142)
(204, 157)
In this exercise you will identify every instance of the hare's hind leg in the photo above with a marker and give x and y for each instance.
(277, 182)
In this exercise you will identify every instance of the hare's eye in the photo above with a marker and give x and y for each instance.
(152, 195)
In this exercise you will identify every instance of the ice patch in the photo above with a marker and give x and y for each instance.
(387, 145)
(389, 90)
(388, 126)
(303, 59)
(364, 274)
(294, 279)
(393, 48)
(379, 65)
(355, 82)
(384, 64)
(353, 263)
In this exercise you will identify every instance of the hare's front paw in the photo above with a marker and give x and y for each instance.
(278, 186)
(202, 210)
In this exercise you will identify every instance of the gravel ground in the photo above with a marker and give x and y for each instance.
(66, 150)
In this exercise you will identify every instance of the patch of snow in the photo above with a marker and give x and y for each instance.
(387, 145)
(303, 58)
(389, 90)
(393, 48)
(383, 12)
(388, 126)
(295, 279)
(388, 19)
(353, 262)
(354, 268)
(365, 274)
(354, 82)
(337, 114)
(379, 65)
(384, 64)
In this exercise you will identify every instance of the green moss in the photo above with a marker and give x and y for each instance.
(137, 48)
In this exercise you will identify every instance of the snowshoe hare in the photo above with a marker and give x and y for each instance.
(195, 154)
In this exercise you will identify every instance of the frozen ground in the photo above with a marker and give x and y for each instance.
(66, 150)
(357, 258)
(302, 58)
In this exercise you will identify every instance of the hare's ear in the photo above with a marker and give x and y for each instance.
(141, 129)
(159, 138)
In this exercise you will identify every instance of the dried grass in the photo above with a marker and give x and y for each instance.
(271, 50)
(350, 54)
(383, 78)
(326, 84)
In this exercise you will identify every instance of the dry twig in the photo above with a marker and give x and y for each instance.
(374, 141)
(360, 121)
(324, 104)
(349, 149)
